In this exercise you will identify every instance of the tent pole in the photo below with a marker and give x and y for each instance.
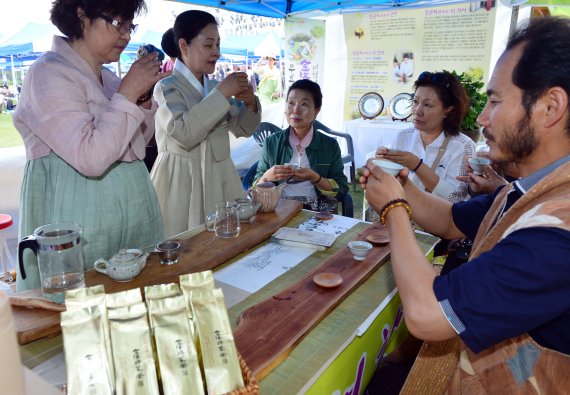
(14, 85)
(514, 20)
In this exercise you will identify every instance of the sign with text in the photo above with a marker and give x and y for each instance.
(388, 50)
(304, 50)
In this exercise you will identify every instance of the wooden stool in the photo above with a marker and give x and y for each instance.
(5, 257)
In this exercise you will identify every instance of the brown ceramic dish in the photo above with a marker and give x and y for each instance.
(327, 280)
(323, 216)
(378, 238)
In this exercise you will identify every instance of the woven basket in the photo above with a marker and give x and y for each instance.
(251, 384)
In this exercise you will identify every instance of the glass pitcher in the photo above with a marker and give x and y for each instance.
(224, 221)
(60, 258)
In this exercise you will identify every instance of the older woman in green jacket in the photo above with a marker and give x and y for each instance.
(308, 160)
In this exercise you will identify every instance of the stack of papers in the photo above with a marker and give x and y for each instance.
(305, 237)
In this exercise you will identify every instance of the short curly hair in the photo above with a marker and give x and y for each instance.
(64, 13)
(451, 93)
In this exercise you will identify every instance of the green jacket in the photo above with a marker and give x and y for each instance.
(323, 153)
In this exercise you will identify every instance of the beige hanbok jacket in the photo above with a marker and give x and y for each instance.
(194, 170)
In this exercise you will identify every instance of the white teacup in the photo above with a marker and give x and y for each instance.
(388, 166)
(293, 166)
(359, 249)
(478, 164)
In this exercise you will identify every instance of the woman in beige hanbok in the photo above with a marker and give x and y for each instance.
(194, 170)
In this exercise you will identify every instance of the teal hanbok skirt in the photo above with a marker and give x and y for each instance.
(116, 210)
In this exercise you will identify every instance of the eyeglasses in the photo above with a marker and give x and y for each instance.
(122, 27)
(440, 79)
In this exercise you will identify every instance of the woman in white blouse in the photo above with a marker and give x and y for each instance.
(434, 150)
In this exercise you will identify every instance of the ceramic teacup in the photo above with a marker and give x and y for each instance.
(478, 164)
(388, 166)
(293, 166)
(359, 249)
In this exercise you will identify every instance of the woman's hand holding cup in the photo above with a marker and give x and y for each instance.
(143, 74)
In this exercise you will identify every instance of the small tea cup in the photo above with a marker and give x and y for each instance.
(359, 249)
(478, 164)
(168, 252)
(388, 166)
(293, 166)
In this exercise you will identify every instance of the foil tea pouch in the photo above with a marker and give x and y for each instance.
(123, 298)
(192, 281)
(161, 291)
(93, 296)
(219, 353)
(135, 372)
(177, 356)
(85, 352)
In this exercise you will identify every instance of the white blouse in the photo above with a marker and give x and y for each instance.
(452, 163)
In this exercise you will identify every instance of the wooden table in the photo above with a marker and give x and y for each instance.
(302, 371)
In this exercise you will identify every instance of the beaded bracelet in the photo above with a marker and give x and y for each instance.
(144, 98)
(393, 204)
(418, 166)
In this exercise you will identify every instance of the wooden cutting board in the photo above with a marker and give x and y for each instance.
(267, 332)
(202, 251)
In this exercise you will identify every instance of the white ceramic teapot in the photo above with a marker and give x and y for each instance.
(124, 266)
(247, 208)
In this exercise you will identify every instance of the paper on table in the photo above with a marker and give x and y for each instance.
(254, 271)
(337, 225)
(305, 236)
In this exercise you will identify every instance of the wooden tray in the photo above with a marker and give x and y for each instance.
(200, 252)
(267, 332)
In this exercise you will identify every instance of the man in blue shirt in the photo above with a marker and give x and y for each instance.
(510, 304)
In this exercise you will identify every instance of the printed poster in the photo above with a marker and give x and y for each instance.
(304, 50)
(387, 50)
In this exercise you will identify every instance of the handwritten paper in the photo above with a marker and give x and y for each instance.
(254, 271)
(259, 268)
(336, 226)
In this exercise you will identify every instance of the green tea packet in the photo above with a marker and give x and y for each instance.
(135, 372)
(161, 291)
(123, 298)
(93, 296)
(177, 355)
(219, 353)
(87, 365)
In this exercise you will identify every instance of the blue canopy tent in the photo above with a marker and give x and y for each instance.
(26, 45)
(285, 8)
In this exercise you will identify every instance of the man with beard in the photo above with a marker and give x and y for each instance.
(510, 304)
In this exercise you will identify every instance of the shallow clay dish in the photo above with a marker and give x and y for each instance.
(378, 238)
(323, 216)
(327, 280)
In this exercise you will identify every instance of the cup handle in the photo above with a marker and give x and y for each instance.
(98, 263)
(211, 222)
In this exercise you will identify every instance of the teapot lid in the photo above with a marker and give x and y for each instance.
(266, 184)
(126, 256)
